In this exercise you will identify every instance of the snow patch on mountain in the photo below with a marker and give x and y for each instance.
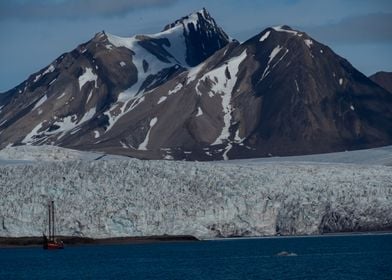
(37, 78)
(193, 73)
(177, 46)
(199, 112)
(89, 96)
(123, 108)
(40, 102)
(296, 85)
(87, 76)
(227, 150)
(265, 36)
(161, 99)
(144, 144)
(61, 95)
(29, 138)
(281, 29)
(308, 42)
(64, 125)
(87, 116)
(223, 85)
(273, 54)
(48, 70)
(177, 50)
(176, 89)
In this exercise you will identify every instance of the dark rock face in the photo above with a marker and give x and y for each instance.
(279, 93)
(383, 79)
(202, 35)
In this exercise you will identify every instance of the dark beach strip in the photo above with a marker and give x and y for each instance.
(72, 240)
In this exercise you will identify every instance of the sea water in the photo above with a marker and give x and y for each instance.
(326, 257)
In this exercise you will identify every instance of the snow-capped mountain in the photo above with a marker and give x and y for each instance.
(190, 92)
(383, 79)
(82, 94)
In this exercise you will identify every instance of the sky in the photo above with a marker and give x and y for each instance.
(35, 32)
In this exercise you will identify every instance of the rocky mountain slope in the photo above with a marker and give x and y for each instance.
(189, 92)
(383, 79)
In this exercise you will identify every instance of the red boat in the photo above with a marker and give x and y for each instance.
(50, 243)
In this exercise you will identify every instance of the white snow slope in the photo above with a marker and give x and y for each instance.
(34, 154)
(375, 156)
(136, 198)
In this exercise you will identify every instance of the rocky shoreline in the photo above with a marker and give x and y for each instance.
(34, 241)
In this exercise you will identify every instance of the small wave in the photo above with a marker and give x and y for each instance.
(286, 254)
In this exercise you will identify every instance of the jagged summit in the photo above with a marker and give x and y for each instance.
(202, 35)
(284, 31)
(194, 18)
(283, 27)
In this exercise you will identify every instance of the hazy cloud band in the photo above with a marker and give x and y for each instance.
(71, 9)
(370, 28)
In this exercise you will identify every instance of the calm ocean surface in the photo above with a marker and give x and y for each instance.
(332, 257)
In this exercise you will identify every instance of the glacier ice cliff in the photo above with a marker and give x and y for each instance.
(135, 198)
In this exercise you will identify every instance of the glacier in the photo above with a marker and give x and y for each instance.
(128, 197)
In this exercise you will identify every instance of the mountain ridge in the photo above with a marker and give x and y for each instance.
(279, 93)
(384, 79)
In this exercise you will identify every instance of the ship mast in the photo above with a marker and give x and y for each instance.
(52, 219)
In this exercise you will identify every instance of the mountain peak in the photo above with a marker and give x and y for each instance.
(285, 28)
(280, 35)
(202, 35)
(282, 27)
(195, 19)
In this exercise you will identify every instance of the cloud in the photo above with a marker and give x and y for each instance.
(369, 28)
(73, 9)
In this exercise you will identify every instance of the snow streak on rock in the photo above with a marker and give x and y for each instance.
(199, 112)
(281, 29)
(161, 99)
(144, 144)
(87, 76)
(223, 85)
(29, 139)
(273, 54)
(40, 102)
(176, 89)
(265, 36)
(309, 43)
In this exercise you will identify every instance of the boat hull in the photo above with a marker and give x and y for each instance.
(53, 245)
